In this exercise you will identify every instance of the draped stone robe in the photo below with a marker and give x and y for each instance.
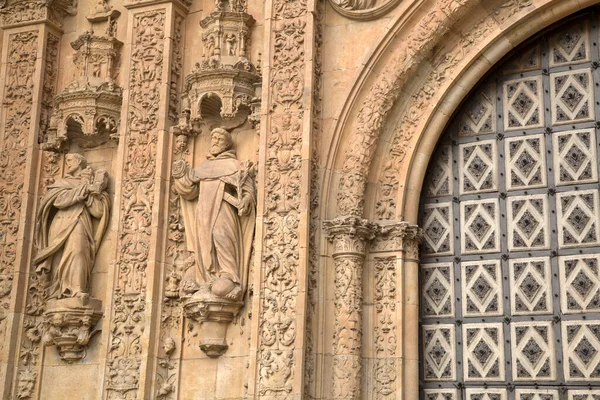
(66, 236)
(220, 238)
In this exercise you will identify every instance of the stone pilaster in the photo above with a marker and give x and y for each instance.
(132, 342)
(284, 200)
(28, 75)
(350, 236)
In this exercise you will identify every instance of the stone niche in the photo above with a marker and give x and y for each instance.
(79, 173)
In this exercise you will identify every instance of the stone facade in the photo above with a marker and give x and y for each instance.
(237, 199)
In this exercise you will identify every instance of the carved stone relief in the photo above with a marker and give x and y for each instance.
(125, 352)
(363, 9)
(23, 12)
(350, 237)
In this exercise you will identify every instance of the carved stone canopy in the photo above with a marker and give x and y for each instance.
(223, 88)
(88, 110)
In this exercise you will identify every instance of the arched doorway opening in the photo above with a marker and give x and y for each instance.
(510, 270)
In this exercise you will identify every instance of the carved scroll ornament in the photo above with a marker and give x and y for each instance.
(220, 230)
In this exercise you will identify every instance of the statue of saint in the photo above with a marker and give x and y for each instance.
(72, 219)
(220, 227)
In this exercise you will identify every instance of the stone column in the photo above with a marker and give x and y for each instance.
(411, 237)
(350, 236)
(144, 146)
(31, 32)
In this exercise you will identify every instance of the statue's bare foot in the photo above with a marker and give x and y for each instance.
(235, 294)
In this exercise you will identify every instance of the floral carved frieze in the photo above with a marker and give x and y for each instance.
(398, 236)
(88, 110)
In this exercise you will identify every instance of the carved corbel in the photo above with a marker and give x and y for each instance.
(68, 325)
(214, 314)
(350, 236)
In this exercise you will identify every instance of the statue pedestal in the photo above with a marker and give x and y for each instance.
(214, 315)
(68, 323)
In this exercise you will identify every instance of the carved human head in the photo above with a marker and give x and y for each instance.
(74, 162)
(220, 141)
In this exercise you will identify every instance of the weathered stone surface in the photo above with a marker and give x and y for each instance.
(286, 264)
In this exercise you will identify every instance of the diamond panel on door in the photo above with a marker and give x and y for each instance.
(530, 286)
(523, 104)
(438, 227)
(481, 288)
(586, 394)
(580, 282)
(571, 45)
(525, 162)
(577, 218)
(440, 394)
(437, 296)
(574, 158)
(478, 172)
(536, 394)
(485, 394)
(480, 222)
(479, 116)
(528, 222)
(533, 353)
(439, 352)
(581, 350)
(572, 96)
(440, 177)
(483, 352)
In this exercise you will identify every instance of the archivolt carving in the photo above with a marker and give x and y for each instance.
(385, 92)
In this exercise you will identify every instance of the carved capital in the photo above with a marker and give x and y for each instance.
(349, 235)
(401, 236)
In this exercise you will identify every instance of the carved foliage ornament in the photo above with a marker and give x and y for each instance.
(129, 298)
